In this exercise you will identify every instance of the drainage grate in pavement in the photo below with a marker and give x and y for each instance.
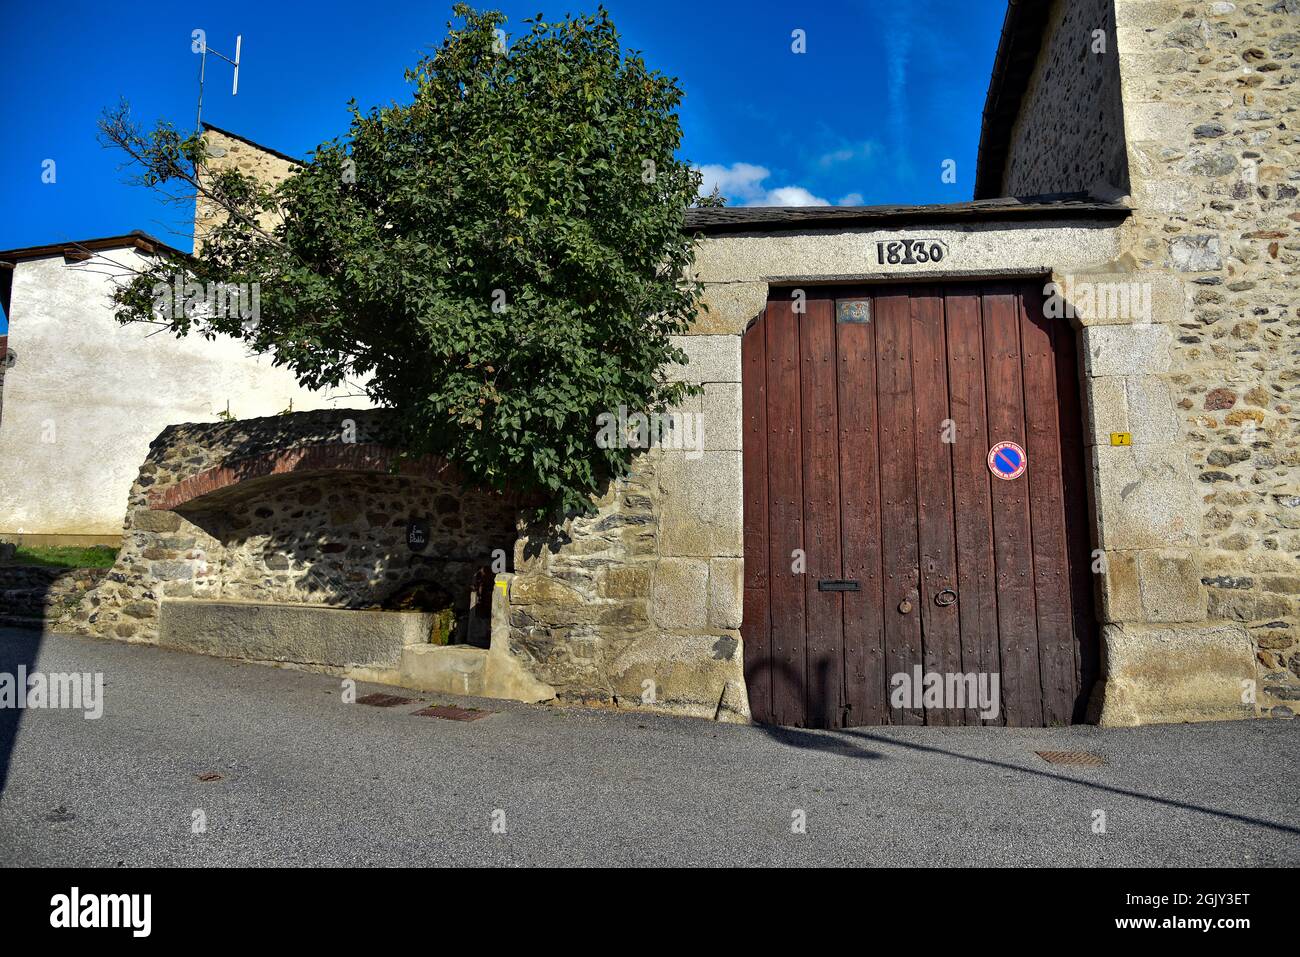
(1084, 759)
(383, 700)
(451, 714)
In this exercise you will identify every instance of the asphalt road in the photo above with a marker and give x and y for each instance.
(306, 779)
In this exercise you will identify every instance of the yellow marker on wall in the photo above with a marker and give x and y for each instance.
(1121, 438)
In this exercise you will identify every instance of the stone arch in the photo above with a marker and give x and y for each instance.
(211, 484)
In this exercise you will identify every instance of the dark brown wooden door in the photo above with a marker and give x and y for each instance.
(877, 540)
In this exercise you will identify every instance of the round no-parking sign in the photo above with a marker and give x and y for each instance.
(1008, 461)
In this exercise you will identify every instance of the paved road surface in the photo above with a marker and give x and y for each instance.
(309, 780)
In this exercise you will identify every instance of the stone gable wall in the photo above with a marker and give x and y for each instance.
(1211, 98)
(1069, 136)
(1199, 519)
(226, 152)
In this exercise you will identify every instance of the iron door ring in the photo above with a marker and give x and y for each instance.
(943, 602)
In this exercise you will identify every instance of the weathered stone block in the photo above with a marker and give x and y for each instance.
(1127, 350)
(732, 307)
(699, 676)
(726, 592)
(1159, 121)
(1152, 419)
(1121, 596)
(1144, 497)
(1107, 408)
(628, 581)
(1158, 674)
(542, 590)
(1171, 586)
(680, 600)
(301, 634)
(723, 420)
(711, 359)
(149, 520)
(702, 503)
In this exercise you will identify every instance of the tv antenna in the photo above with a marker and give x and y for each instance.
(200, 46)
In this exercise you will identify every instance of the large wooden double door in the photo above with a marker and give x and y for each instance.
(877, 536)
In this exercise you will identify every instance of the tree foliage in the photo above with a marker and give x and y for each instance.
(499, 260)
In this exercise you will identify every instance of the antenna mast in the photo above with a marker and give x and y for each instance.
(201, 38)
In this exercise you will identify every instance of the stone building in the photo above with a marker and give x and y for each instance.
(1049, 438)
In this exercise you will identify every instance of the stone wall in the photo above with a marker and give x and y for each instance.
(1211, 105)
(230, 152)
(1069, 136)
(1198, 518)
(37, 595)
(295, 508)
(640, 605)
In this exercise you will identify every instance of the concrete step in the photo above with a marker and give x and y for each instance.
(450, 669)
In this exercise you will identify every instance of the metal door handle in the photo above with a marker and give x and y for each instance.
(942, 601)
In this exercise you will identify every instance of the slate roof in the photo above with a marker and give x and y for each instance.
(1066, 206)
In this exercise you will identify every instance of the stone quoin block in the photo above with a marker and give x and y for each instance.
(1144, 497)
(1170, 583)
(680, 597)
(711, 359)
(732, 306)
(726, 592)
(1127, 350)
(723, 417)
(702, 503)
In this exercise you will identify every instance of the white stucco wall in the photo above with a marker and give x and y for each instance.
(87, 395)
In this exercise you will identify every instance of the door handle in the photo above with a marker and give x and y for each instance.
(945, 598)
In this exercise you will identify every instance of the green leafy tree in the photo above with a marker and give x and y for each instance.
(499, 261)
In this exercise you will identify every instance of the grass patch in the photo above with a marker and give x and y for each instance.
(67, 556)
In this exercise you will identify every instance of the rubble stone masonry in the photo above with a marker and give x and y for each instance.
(1210, 106)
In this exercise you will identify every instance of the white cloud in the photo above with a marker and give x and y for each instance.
(791, 196)
(743, 183)
(850, 199)
(849, 154)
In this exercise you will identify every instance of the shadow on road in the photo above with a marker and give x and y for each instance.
(1127, 792)
(18, 648)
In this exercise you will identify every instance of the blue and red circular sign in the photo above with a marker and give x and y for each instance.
(1008, 461)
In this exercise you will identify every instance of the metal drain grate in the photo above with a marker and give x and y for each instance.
(378, 700)
(451, 714)
(1085, 759)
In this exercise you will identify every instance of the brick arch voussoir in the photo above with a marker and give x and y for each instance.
(334, 457)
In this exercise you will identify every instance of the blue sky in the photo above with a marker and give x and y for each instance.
(886, 91)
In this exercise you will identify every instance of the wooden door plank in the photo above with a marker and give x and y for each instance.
(1012, 535)
(897, 453)
(785, 513)
(756, 627)
(865, 681)
(940, 626)
(821, 516)
(978, 603)
(1047, 511)
(1078, 517)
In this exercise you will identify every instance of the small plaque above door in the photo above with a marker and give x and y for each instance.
(853, 310)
